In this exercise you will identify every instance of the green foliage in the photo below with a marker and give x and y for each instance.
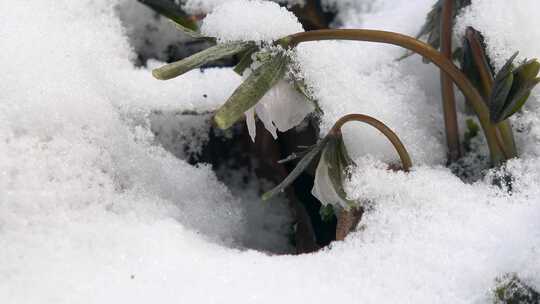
(338, 160)
(512, 290)
(260, 81)
(432, 25)
(469, 66)
(300, 167)
(199, 59)
(245, 61)
(472, 131)
(327, 213)
(512, 88)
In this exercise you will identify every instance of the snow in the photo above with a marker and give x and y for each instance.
(94, 210)
(250, 20)
(206, 6)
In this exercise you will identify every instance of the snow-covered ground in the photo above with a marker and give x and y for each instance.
(94, 210)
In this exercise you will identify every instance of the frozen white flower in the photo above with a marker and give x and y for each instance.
(281, 108)
(323, 188)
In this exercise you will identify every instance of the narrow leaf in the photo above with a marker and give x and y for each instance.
(501, 89)
(201, 58)
(338, 161)
(251, 91)
(300, 167)
(518, 100)
(174, 13)
(302, 88)
(293, 156)
(245, 61)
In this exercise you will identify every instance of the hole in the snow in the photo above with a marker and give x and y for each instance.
(279, 226)
(154, 37)
(288, 224)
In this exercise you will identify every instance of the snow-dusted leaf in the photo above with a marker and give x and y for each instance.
(245, 61)
(251, 90)
(201, 58)
(300, 167)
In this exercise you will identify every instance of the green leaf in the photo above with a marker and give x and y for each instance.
(327, 213)
(524, 79)
(432, 25)
(338, 160)
(300, 167)
(501, 89)
(472, 64)
(468, 66)
(246, 61)
(518, 100)
(251, 90)
(196, 60)
(301, 88)
(174, 13)
(510, 289)
(527, 70)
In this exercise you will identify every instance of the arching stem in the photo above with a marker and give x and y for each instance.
(384, 129)
(424, 50)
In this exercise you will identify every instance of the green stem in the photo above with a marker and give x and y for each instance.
(447, 86)
(505, 129)
(406, 161)
(426, 51)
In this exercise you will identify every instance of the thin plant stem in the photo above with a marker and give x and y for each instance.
(406, 161)
(417, 46)
(486, 78)
(447, 85)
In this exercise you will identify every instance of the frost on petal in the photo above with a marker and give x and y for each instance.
(264, 114)
(250, 122)
(283, 108)
(287, 107)
(323, 189)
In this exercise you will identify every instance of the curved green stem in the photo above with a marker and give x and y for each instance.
(384, 129)
(426, 51)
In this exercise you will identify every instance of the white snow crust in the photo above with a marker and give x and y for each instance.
(92, 210)
(250, 20)
(206, 6)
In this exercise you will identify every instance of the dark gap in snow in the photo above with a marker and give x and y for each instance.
(249, 169)
(288, 224)
(155, 37)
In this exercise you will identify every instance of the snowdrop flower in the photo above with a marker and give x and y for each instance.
(334, 164)
(281, 108)
(330, 175)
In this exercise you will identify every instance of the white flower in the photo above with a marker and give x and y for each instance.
(323, 189)
(281, 108)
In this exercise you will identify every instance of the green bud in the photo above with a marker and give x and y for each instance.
(331, 174)
(512, 88)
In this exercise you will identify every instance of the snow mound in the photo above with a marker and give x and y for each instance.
(250, 20)
(206, 6)
(92, 210)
